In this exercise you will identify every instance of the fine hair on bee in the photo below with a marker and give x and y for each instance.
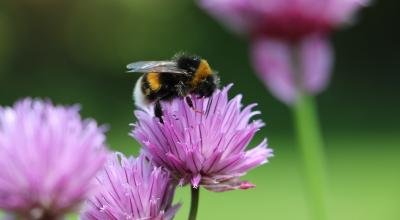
(180, 77)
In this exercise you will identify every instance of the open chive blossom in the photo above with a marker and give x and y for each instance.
(48, 157)
(288, 19)
(205, 146)
(130, 188)
(290, 48)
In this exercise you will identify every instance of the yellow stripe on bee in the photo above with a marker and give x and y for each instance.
(202, 72)
(154, 81)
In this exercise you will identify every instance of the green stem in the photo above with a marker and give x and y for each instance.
(194, 203)
(311, 145)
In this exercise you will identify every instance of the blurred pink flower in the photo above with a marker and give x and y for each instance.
(48, 157)
(290, 46)
(131, 188)
(204, 148)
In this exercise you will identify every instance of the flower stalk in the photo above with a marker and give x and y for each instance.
(311, 146)
(194, 205)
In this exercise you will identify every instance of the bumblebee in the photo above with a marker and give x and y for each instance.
(176, 78)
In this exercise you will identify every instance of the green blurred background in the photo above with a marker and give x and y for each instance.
(75, 52)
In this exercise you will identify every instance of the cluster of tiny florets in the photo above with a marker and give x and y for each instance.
(203, 147)
(53, 161)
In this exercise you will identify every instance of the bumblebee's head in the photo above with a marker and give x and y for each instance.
(207, 86)
(204, 81)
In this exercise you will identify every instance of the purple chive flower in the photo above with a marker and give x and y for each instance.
(203, 148)
(48, 157)
(290, 46)
(131, 188)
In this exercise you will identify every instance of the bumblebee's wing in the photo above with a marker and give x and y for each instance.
(155, 66)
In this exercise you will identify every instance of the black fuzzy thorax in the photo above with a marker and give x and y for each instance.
(190, 63)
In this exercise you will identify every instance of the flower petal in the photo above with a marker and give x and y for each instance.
(230, 184)
(316, 59)
(272, 60)
(196, 181)
(343, 11)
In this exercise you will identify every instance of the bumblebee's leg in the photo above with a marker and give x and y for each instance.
(182, 92)
(158, 110)
(181, 89)
(189, 102)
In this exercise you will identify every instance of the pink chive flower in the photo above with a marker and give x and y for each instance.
(205, 146)
(131, 188)
(290, 46)
(48, 157)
